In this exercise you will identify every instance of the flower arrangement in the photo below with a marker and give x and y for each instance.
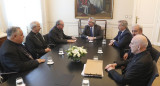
(75, 53)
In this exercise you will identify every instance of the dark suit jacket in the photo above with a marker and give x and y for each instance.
(57, 36)
(36, 44)
(98, 33)
(123, 40)
(138, 70)
(12, 59)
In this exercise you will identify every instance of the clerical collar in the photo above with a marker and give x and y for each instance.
(141, 53)
(13, 42)
(34, 33)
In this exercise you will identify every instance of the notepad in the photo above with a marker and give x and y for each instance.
(94, 68)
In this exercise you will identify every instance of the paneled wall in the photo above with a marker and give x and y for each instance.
(57, 10)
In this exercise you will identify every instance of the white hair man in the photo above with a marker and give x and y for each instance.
(123, 37)
(35, 42)
(139, 68)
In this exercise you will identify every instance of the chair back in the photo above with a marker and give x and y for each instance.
(155, 54)
(46, 38)
(154, 74)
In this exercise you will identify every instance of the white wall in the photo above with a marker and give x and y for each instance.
(65, 10)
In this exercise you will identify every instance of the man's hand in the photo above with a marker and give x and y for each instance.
(125, 56)
(91, 38)
(110, 66)
(74, 38)
(71, 40)
(47, 50)
(111, 42)
(40, 60)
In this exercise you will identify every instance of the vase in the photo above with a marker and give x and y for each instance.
(76, 60)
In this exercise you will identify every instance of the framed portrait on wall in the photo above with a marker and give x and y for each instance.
(100, 9)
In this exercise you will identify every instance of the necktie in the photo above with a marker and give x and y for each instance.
(91, 32)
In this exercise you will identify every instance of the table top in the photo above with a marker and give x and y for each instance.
(65, 72)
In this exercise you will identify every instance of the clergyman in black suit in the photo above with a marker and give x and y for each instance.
(139, 69)
(92, 31)
(137, 29)
(13, 55)
(35, 42)
(123, 37)
(57, 36)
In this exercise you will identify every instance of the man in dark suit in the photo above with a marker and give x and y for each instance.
(139, 69)
(137, 29)
(57, 36)
(35, 42)
(92, 31)
(13, 55)
(123, 38)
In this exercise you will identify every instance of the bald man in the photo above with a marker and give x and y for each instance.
(57, 36)
(139, 69)
(137, 29)
(35, 42)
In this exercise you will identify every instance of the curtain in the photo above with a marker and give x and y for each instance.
(21, 13)
(3, 26)
(44, 8)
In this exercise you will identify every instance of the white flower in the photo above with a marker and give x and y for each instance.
(76, 52)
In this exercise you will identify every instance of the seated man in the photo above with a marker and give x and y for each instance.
(35, 43)
(56, 34)
(139, 69)
(123, 38)
(137, 29)
(13, 55)
(92, 31)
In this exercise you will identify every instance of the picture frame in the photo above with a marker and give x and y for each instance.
(99, 9)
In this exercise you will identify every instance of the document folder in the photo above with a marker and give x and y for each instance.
(94, 68)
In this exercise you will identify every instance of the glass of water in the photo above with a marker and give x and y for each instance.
(50, 60)
(104, 41)
(95, 57)
(19, 82)
(61, 51)
(100, 50)
(85, 82)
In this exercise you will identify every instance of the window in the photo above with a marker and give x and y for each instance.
(22, 12)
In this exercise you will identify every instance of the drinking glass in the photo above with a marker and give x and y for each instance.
(50, 60)
(85, 82)
(100, 50)
(95, 57)
(104, 41)
(61, 51)
(19, 82)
